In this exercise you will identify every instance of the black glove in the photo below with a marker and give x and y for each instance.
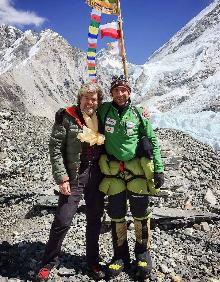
(144, 148)
(158, 179)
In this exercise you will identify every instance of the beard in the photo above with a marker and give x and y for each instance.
(89, 111)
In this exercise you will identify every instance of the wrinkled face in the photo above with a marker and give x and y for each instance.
(89, 103)
(120, 95)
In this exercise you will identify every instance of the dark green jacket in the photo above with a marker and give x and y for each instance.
(122, 133)
(64, 147)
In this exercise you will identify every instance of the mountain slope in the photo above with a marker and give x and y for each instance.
(39, 71)
(184, 79)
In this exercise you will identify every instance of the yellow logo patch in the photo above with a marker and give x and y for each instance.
(142, 263)
(114, 266)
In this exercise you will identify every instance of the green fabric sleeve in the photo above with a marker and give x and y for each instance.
(56, 150)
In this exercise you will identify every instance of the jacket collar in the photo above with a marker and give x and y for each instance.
(123, 108)
(76, 113)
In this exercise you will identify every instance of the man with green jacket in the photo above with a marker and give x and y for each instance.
(75, 147)
(129, 174)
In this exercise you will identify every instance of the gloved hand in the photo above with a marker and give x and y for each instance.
(145, 148)
(158, 179)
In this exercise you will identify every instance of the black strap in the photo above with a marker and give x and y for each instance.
(138, 114)
(126, 181)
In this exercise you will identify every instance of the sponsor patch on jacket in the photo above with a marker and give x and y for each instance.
(130, 124)
(110, 121)
(109, 129)
(130, 131)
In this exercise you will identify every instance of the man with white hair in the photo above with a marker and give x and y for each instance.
(75, 147)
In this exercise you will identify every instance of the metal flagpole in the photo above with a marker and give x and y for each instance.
(123, 52)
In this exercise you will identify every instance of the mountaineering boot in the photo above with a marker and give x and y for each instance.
(121, 258)
(143, 264)
(142, 245)
(115, 267)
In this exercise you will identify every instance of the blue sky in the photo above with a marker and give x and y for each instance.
(148, 24)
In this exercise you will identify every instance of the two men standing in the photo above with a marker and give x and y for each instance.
(75, 169)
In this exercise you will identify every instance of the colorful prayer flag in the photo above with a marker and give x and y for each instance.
(110, 29)
(90, 65)
(93, 30)
(105, 6)
(96, 18)
(91, 58)
(91, 61)
(94, 36)
(91, 54)
(91, 71)
(92, 43)
(92, 40)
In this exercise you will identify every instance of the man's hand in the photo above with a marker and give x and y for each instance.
(65, 187)
(146, 113)
(158, 179)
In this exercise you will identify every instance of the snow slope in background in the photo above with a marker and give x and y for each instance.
(204, 126)
(183, 86)
(194, 115)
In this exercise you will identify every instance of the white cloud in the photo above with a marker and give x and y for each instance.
(9, 15)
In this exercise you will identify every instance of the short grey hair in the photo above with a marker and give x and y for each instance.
(90, 87)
